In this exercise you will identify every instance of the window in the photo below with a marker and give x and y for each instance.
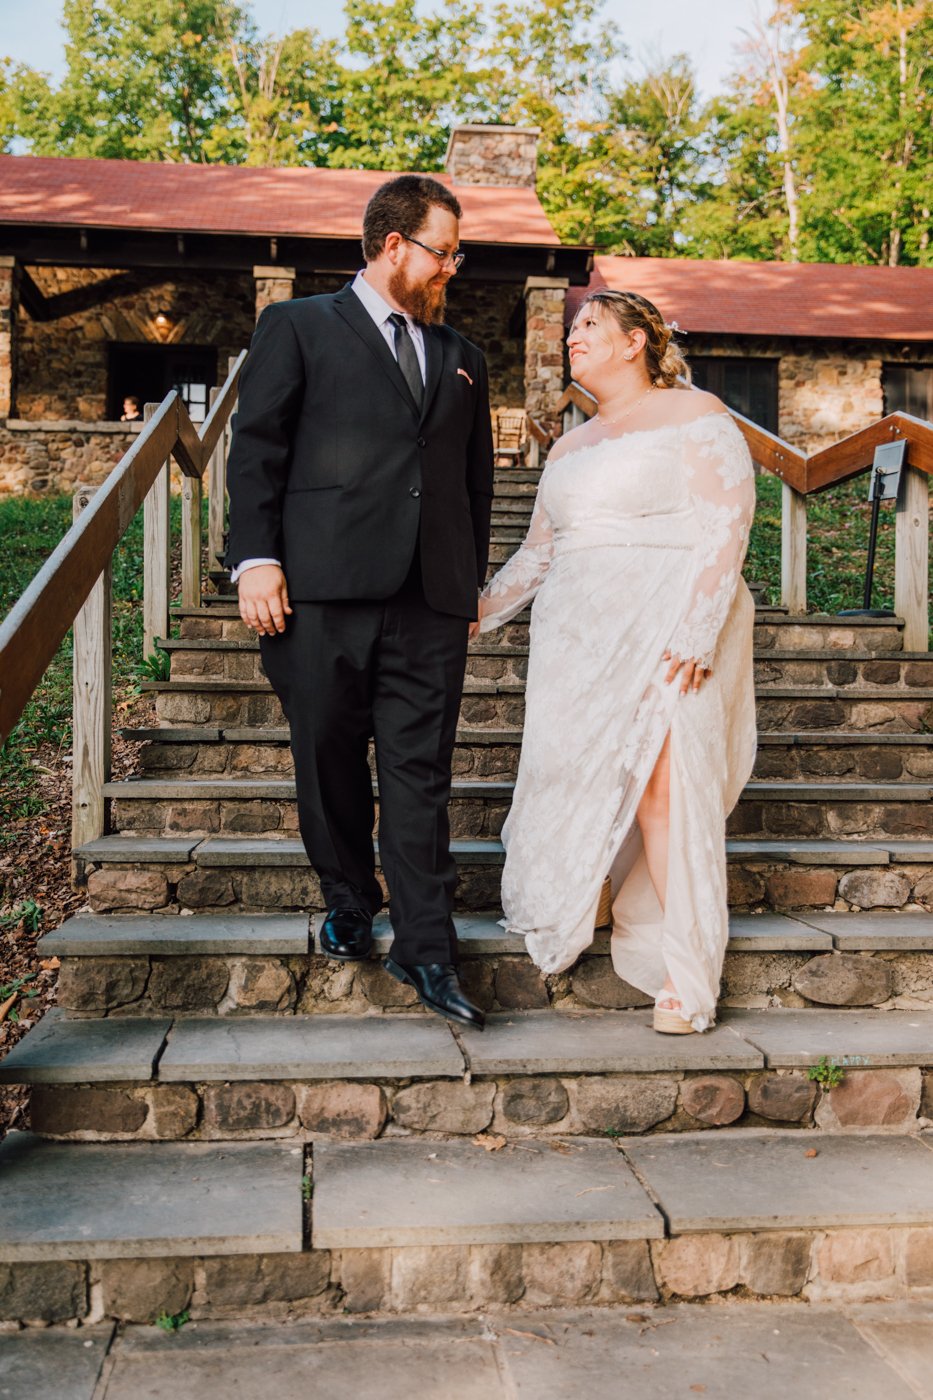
(750, 386)
(149, 372)
(908, 389)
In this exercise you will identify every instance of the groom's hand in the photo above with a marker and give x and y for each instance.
(263, 598)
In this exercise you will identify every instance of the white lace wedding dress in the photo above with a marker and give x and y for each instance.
(635, 546)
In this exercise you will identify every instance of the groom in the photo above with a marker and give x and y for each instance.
(360, 483)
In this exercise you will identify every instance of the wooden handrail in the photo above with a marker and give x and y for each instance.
(33, 630)
(828, 467)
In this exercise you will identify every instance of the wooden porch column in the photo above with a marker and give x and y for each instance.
(9, 307)
(544, 349)
(273, 284)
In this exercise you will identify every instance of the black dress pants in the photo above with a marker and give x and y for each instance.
(391, 670)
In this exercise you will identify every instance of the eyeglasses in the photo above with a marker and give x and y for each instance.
(443, 258)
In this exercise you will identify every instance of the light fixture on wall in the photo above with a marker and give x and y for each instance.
(163, 320)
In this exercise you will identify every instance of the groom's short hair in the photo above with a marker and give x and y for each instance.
(401, 206)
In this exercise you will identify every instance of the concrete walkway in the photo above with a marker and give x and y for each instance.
(880, 1352)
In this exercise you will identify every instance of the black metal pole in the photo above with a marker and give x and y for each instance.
(878, 488)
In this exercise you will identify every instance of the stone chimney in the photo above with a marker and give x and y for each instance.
(493, 155)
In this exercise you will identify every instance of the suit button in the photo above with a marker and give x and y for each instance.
(422, 443)
(415, 491)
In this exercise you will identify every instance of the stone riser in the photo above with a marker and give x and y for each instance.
(899, 713)
(840, 1265)
(858, 763)
(228, 985)
(772, 633)
(241, 664)
(516, 1106)
(755, 882)
(480, 818)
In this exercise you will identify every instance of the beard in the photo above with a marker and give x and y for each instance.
(425, 301)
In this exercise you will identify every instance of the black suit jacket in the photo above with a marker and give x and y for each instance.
(334, 471)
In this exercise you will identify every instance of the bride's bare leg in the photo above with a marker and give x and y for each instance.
(654, 820)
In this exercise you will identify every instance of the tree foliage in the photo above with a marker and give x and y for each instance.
(819, 147)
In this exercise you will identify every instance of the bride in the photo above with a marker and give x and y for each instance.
(640, 717)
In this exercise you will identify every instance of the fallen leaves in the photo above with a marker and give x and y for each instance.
(489, 1142)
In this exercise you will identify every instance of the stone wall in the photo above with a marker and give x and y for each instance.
(62, 362)
(52, 457)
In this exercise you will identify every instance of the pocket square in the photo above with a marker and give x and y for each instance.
(466, 376)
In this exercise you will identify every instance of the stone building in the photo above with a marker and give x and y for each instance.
(124, 277)
(811, 351)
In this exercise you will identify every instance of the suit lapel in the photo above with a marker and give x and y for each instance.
(358, 318)
(434, 366)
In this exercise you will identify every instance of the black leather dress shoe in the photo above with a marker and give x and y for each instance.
(347, 935)
(438, 986)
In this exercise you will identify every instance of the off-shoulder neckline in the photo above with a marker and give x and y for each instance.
(643, 432)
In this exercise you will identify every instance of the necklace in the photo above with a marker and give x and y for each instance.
(631, 409)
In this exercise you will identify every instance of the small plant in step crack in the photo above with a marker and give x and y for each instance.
(826, 1072)
(173, 1322)
(613, 1132)
(306, 1188)
(156, 666)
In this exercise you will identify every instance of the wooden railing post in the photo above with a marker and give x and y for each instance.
(91, 709)
(216, 491)
(793, 549)
(156, 555)
(191, 494)
(911, 558)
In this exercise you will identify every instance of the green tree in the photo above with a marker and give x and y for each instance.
(141, 81)
(866, 140)
(8, 107)
(654, 153)
(551, 68)
(284, 99)
(410, 78)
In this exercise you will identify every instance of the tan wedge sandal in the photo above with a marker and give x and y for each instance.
(667, 1020)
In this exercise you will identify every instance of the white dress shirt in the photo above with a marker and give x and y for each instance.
(380, 310)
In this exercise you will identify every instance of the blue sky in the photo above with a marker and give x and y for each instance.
(708, 32)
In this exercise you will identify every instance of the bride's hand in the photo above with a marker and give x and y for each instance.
(693, 674)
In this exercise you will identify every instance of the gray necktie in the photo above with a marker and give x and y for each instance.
(407, 357)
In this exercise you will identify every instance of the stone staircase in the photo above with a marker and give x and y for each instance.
(225, 1122)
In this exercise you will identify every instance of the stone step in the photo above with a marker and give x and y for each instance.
(238, 658)
(483, 753)
(116, 1201)
(163, 963)
(478, 808)
(265, 874)
(397, 1229)
(501, 704)
(288, 935)
(530, 1073)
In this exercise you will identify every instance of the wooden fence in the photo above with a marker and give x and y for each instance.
(73, 587)
(801, 476)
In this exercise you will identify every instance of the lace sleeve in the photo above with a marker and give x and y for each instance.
(517, 582)
(722, 488)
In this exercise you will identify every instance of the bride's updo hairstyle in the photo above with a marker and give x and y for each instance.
(663, 359)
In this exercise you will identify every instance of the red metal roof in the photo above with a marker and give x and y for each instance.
(807, 300)
(291, 201)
